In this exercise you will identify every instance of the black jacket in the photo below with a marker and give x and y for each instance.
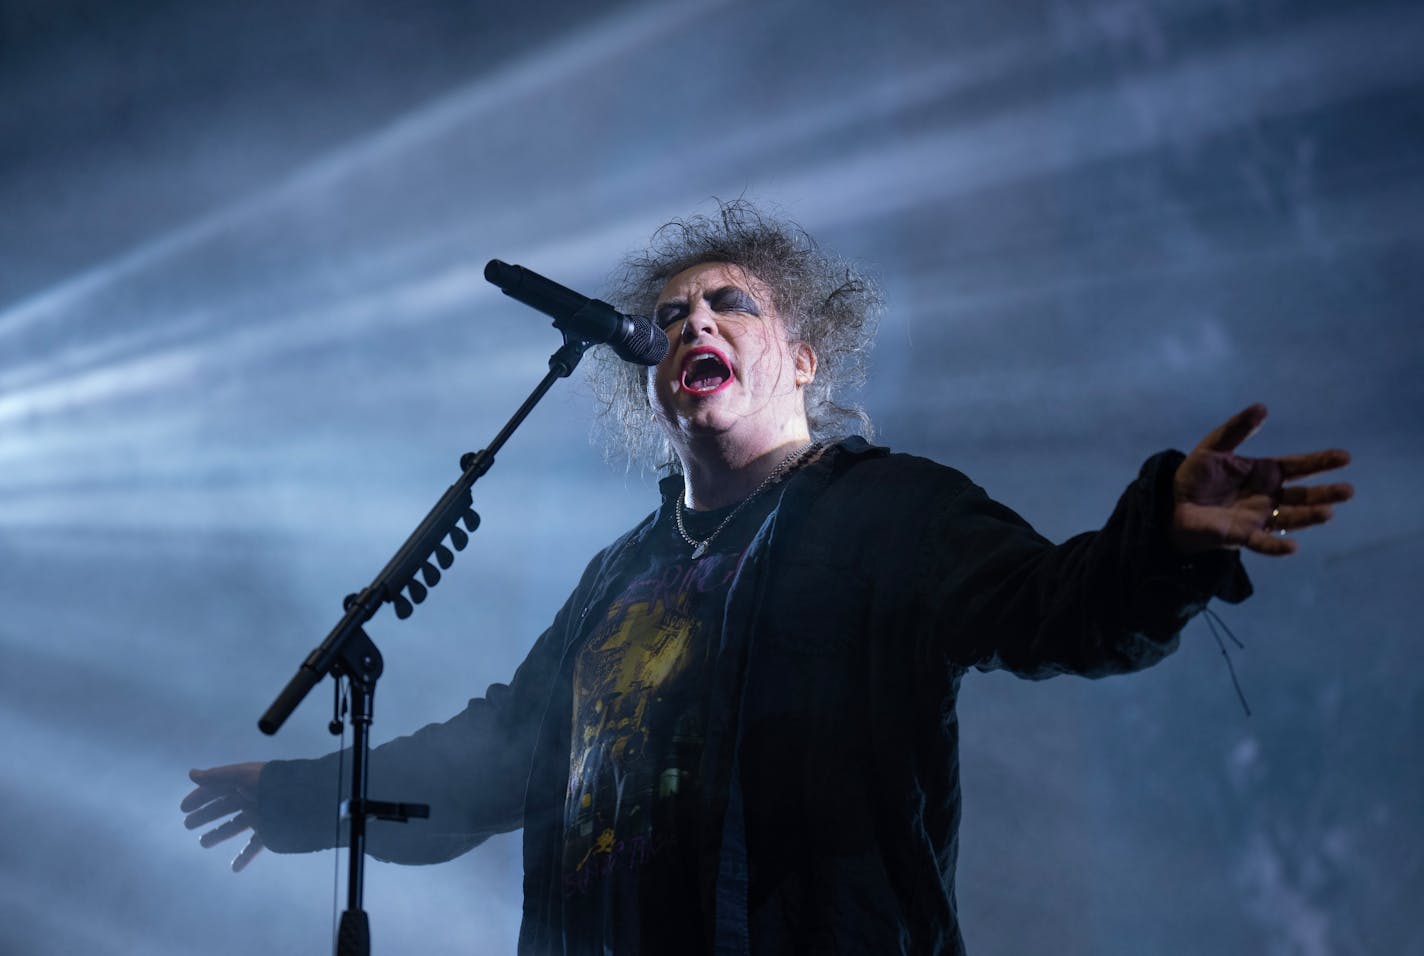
(831, 767)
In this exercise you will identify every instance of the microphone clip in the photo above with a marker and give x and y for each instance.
(563, 362)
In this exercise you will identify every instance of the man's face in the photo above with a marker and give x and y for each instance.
(730, 369)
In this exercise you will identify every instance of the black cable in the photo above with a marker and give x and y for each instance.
(1212, 620)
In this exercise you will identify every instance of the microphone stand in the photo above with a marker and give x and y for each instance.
(349, 652)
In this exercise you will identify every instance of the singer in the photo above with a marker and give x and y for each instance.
(738, 734)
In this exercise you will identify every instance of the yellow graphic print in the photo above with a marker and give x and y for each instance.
(632, 675)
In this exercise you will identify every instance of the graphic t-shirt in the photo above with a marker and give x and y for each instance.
(631, 813)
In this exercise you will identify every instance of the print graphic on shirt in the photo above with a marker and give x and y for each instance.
(637, 721)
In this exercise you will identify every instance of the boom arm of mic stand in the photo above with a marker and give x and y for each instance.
(419, 555)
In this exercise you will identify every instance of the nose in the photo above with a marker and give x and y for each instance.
(700, 321)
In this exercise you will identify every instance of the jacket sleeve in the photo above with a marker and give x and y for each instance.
(1104, 602)
(472, 770)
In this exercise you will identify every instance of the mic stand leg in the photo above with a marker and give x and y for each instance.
(361, 664)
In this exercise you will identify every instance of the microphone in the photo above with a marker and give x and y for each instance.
(634, 337)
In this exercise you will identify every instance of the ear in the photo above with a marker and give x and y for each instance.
(805, 359)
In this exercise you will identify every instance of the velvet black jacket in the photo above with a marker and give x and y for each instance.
(831, 765)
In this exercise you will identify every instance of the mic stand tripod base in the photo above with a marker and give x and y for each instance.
(353, 937)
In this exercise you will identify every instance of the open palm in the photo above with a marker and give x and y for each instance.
(1226, 500)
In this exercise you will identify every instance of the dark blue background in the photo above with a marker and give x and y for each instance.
(244, 339)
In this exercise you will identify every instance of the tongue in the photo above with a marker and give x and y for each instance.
(706, 382)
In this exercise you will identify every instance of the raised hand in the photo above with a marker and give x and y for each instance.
(224, 791)
(1224, 500)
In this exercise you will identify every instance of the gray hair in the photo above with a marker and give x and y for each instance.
(824, 301)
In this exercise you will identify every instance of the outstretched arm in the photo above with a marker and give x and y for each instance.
(1114, 600)
(471, 770)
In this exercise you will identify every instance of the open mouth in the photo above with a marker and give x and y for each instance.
(705, 370)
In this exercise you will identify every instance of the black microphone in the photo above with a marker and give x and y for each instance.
(633, 337)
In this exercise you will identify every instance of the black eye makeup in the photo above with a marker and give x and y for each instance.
(730, 298)
(668, 313)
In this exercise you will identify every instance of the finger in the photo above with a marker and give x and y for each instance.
(1299, 517)
(197, 797)
(249, 852)
(1316, 494)
(227, 831)
(219, 776)
(1273, 545)
(1313, 463)
(207, 814)
(1235, 429)
(201, 777)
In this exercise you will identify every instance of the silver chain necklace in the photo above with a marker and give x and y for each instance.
(793, 460)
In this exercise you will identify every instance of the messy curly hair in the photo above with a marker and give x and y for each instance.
(824, 301)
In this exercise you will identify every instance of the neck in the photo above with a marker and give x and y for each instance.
(719, 471)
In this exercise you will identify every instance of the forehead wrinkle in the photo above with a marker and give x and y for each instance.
(741, 278)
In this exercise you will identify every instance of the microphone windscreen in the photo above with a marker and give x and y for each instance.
(646, 344)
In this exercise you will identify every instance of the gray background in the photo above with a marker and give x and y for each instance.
(244, 339)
